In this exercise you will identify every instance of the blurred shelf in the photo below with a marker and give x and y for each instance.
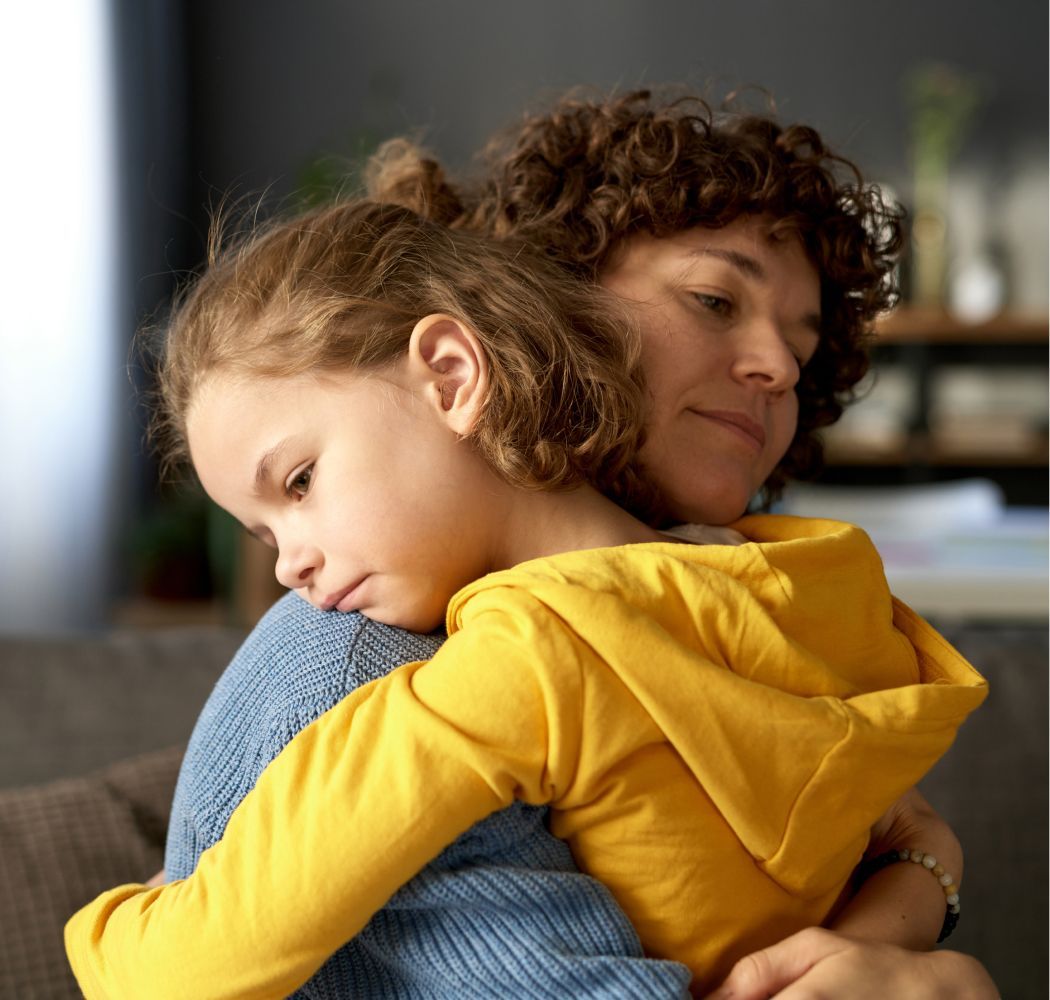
(143, 612)
(915, 325)
(1000, 434)
(921, 451)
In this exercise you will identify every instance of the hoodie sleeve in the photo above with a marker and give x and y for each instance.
(353, 807)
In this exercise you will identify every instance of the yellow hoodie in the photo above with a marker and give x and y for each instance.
(716, 729)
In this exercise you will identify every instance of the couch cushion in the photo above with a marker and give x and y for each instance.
(70, 704)
(63, 843)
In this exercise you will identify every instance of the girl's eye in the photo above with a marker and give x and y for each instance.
(714, 303)
(300, 484)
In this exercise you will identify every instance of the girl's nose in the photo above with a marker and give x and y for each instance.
(296, 565)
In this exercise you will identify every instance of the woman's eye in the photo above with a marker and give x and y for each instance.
(714, 303)
(805, 351)
(300, 484)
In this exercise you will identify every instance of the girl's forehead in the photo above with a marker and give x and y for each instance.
(235, 420)
(224, 387)
(228, 406)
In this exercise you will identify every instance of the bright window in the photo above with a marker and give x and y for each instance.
(61, 350)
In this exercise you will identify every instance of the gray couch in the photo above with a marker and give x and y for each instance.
(91, 736)
(91, 731)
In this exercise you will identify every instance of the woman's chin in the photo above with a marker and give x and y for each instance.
(714, 507)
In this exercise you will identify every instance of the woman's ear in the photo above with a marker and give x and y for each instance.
(446, 355)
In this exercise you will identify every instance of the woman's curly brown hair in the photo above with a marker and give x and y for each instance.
(579, 179)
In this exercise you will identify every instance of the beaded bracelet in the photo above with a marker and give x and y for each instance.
(869, 867)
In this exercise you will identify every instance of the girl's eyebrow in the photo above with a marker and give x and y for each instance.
(264, 469)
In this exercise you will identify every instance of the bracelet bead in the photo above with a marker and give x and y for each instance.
(946, 881)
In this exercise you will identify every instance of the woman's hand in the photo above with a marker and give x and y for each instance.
(158, 879)
(817, 964)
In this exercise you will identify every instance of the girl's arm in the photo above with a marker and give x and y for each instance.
(400, 768)
(904, 903)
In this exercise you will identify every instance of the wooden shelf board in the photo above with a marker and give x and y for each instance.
(914, 325)
(921, 453)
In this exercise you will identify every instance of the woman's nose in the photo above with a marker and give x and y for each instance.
(765, 358)
(296, 565)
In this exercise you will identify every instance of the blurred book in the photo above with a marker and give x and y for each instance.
(950, 549)
(1000, 411)
(879, 421)
(1006, 437)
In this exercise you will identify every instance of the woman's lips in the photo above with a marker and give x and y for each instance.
(739, 423)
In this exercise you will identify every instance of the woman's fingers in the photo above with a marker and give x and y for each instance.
(817, 964)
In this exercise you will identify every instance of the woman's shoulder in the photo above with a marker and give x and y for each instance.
(705, 534)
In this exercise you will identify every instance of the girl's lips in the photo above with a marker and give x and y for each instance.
(344, 600)
(741, 423)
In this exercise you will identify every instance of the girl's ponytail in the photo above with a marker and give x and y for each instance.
(401, 173)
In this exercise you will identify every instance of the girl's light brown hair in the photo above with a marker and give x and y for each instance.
(342, 287)
(577, 180)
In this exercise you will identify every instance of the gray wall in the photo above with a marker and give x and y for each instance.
(241, 96)
(276, 84)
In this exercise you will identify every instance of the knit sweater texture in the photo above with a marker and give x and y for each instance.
(502, 912)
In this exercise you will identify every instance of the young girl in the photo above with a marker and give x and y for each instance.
(403, 410)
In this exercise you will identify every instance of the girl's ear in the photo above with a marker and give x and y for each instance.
(447, 357)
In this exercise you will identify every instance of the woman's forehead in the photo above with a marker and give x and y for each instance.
(747, 244)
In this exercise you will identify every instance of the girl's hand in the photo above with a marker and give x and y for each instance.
(817, 964)
(159, 879)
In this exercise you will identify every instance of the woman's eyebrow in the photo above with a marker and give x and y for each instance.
(264, 469)
(753, 269)
(741, 261)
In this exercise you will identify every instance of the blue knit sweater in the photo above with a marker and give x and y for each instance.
(503, 912)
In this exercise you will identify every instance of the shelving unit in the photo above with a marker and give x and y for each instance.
(911, 325)
(922, 344)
